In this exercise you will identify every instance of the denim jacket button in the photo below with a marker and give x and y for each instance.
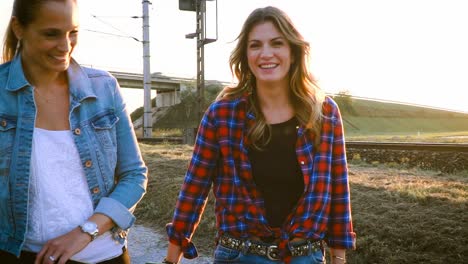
(88, 163)
(96, 190)
(77, 131)
(3, 123)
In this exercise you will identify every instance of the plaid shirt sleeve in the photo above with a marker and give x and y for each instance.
(340, 229)
(194, 192)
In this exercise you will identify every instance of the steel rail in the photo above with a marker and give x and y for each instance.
(157, 140)
(437, 147)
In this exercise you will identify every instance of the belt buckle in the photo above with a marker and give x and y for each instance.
(272, 252)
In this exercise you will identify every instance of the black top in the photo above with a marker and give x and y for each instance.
(277, 173)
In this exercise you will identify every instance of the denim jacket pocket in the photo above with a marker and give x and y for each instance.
(7, 140)
(104, 125)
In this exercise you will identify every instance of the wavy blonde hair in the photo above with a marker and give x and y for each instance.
(307, 98)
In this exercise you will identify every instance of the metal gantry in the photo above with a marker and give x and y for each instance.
(199, 6)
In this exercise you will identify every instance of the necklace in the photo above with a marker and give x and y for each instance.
(44, 98)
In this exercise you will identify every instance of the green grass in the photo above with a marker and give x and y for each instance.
(379, 125)
(400, 215)
(372, 120)
(366, 117)
(433, 137)
(360, 116)
(369, 108)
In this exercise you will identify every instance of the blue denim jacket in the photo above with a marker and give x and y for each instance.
(103, 133)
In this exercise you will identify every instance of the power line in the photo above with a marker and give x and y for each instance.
(112, 26)
(118, 16)
(112, 34)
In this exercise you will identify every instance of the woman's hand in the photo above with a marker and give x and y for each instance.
(59, 250)
(174, 253)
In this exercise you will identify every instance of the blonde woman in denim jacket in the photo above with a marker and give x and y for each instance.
(71, 172)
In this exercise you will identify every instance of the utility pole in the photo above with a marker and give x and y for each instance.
(148, 114)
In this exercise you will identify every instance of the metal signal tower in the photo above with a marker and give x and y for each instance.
(199, 6)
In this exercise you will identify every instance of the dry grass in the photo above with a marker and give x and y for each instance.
(439, 137)
(409, 216)
(168, 132)
(400, 215)
(167, 164)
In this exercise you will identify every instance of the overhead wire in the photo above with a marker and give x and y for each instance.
(112, 34)
(125, 35)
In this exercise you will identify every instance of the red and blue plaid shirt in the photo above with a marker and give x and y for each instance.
(220, 159)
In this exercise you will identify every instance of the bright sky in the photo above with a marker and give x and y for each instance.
(413, 51)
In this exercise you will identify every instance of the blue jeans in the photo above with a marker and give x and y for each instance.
(224, 255)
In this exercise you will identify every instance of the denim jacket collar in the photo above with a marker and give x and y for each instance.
(16, 79)
(78, 81)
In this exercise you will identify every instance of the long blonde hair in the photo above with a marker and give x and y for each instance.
(306, 96)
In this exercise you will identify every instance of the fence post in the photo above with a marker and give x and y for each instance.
(189, 135)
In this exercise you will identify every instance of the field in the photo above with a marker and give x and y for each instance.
(361, 117)
(432, 137)
(400, 215)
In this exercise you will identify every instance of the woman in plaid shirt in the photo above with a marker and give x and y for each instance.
(273, 149)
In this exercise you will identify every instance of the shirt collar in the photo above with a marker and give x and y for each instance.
(244, 99)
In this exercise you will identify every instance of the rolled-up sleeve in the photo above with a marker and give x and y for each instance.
(340, 228)
(130, 171)
(197, 184)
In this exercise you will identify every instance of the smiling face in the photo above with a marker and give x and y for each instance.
(268, 54)
(48, 41)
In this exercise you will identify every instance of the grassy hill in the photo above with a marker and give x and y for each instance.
(364, 117)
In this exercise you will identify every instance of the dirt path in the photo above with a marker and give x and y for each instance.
(147, 246)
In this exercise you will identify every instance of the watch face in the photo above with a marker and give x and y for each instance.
(89, 227)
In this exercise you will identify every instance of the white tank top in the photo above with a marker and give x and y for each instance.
(59, 197)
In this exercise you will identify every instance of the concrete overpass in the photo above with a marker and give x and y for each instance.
(158, 82)
(168, 88)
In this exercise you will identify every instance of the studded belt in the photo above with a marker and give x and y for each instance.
(269, 250)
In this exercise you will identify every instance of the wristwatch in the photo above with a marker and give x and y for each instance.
(165, 261)
(90, 228)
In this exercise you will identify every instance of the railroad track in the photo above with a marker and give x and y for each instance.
(158, 140)
(436, 147)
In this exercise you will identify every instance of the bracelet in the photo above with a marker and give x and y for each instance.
(340, 258)
(165, 261)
